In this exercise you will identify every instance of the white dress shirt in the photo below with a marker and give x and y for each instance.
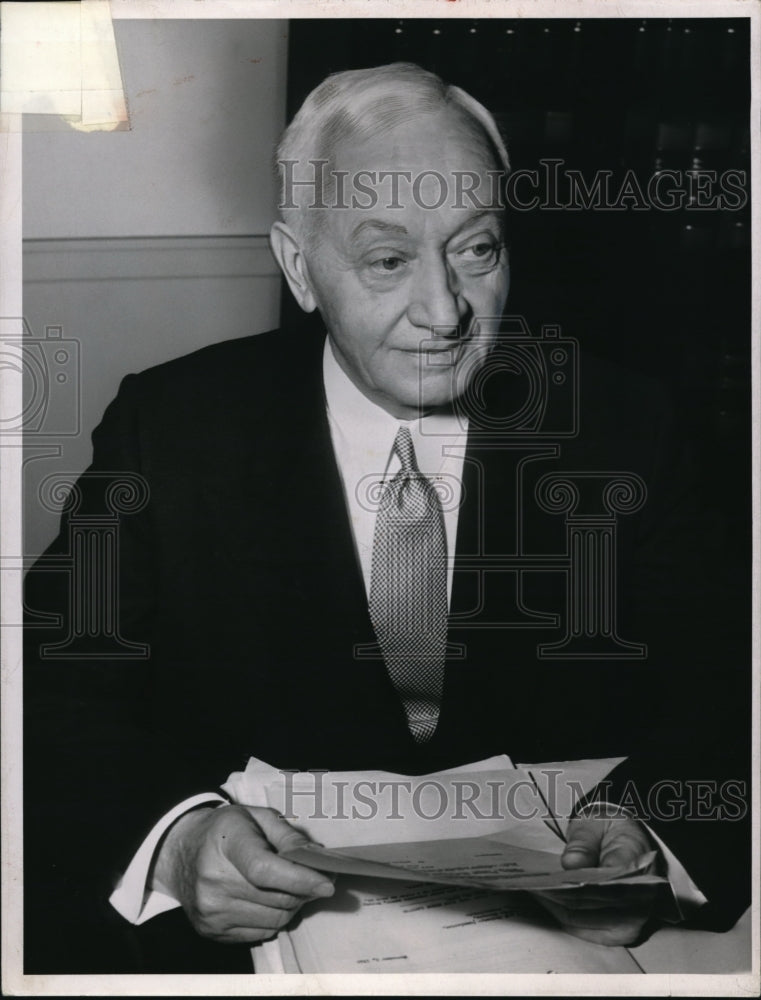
(363, 435)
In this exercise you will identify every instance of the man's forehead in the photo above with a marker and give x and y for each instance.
(430, 176)
(424, 143)
(430, 162)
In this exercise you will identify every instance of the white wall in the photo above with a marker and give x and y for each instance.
(206, 102)
(146, 244)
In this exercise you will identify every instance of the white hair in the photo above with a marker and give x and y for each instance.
(363, 103)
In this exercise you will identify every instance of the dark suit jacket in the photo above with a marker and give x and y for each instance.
(240, 575)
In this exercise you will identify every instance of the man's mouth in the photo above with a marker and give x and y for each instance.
(437, 357)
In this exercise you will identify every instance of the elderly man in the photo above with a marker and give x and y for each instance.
(257, 568)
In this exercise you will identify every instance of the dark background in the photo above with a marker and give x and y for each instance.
(667, 293)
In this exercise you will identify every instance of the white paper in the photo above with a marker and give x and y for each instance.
(383, 925)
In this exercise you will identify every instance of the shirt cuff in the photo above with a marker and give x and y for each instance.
(133, 898)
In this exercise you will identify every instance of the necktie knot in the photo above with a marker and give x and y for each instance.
(405, 451)
(409, 495)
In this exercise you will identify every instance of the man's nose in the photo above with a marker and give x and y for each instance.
(436, 303)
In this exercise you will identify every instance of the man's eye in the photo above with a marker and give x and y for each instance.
(478, 258)
(386, 265)
(479, 251)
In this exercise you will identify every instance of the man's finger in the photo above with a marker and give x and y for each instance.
(243, 935)
(245, 892)
(225, 924)
(260, 866)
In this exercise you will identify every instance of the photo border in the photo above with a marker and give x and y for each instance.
(14, 982)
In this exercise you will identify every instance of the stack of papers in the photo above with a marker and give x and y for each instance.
(429, 867)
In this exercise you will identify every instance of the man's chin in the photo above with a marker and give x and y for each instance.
(436, 396)
(445, 387)
(428, 390)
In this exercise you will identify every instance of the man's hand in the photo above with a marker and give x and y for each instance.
(603, 914)
(222, 866)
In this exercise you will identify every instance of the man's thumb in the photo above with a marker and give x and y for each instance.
(582, 849)
(278, 832)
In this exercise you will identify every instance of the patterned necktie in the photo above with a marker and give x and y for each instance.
(408, 589)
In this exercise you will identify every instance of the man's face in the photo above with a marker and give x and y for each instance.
(387, 278)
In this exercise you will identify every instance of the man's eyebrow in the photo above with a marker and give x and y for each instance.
(484, 213)
(381, 226)
(477, 217)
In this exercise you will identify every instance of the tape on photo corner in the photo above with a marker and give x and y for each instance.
(59, 63)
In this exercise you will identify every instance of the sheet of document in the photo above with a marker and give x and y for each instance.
(481, 862)
(488, 825)
(375, 926)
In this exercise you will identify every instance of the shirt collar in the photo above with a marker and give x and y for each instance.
(347, 405)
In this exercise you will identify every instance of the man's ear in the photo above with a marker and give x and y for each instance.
(289, 255)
